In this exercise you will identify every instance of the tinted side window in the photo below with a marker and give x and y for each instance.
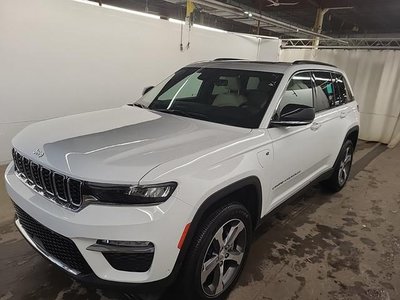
(324, 91)
(340, 89)
(299, 91)
(342, 95)
(350, 96)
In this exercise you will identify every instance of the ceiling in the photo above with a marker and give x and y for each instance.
(366, 18)
(177, 9)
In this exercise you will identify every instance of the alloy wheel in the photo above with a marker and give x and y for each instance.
(345, 165)
(223, 257)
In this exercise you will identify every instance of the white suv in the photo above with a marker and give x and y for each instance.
(177, 182)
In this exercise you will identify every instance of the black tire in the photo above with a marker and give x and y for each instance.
(189, 284)
(343, 164)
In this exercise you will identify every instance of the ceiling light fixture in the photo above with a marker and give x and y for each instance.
(129, 11)
(134, 12)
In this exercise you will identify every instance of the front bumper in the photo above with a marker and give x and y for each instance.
(162, 225)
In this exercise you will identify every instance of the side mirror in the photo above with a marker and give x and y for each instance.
(146, 90)
(294, 115)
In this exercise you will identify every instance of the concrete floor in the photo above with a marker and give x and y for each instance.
(320, 246)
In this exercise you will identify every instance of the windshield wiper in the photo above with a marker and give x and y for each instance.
(179, 112)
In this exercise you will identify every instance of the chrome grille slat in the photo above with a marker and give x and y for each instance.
(52, 185)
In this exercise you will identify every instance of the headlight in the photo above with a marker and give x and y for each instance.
(126, 194)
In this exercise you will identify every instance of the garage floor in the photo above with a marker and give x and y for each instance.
(320, 246)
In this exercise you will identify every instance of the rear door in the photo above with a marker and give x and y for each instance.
(326, 116)
(331, 111)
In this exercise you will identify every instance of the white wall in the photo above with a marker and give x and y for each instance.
(269, 49)
(60, 57)
(375, 78)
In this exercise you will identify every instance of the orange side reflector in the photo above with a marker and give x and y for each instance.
(183, 236)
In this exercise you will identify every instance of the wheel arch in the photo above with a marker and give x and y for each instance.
(250, 184)
(352, 135)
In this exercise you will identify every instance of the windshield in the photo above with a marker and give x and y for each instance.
(231, 97)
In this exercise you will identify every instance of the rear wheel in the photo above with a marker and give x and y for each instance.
(217, 254)
(342, 168)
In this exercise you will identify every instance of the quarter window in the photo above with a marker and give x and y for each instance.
(340, 98)
(341, 91)
(299, 91)
(350, 96)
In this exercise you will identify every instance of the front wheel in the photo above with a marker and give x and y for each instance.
(217, 254)
(342, 168)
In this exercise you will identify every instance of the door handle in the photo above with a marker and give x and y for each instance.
(343, 114)
(315, 126)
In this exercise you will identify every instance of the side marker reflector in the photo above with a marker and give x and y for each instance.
(183, 236)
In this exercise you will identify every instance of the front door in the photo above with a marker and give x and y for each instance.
(296, 158)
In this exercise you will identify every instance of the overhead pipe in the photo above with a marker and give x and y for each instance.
(259, 17)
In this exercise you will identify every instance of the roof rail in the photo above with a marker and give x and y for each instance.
(301, 62)
(227, 58)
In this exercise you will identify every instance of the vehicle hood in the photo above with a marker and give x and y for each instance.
(119, 145)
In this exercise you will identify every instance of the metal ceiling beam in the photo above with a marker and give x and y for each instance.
(239, 11)
(353, 43)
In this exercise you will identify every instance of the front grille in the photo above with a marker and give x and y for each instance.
(75, 191)
(27, 169)
(130, 262)
(19, 162)
(57, 187)
(37, 179)
(47, 177)
(60, 183)
(53, 243)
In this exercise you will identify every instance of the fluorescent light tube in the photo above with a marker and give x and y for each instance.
(176, 21)
(208, 28)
